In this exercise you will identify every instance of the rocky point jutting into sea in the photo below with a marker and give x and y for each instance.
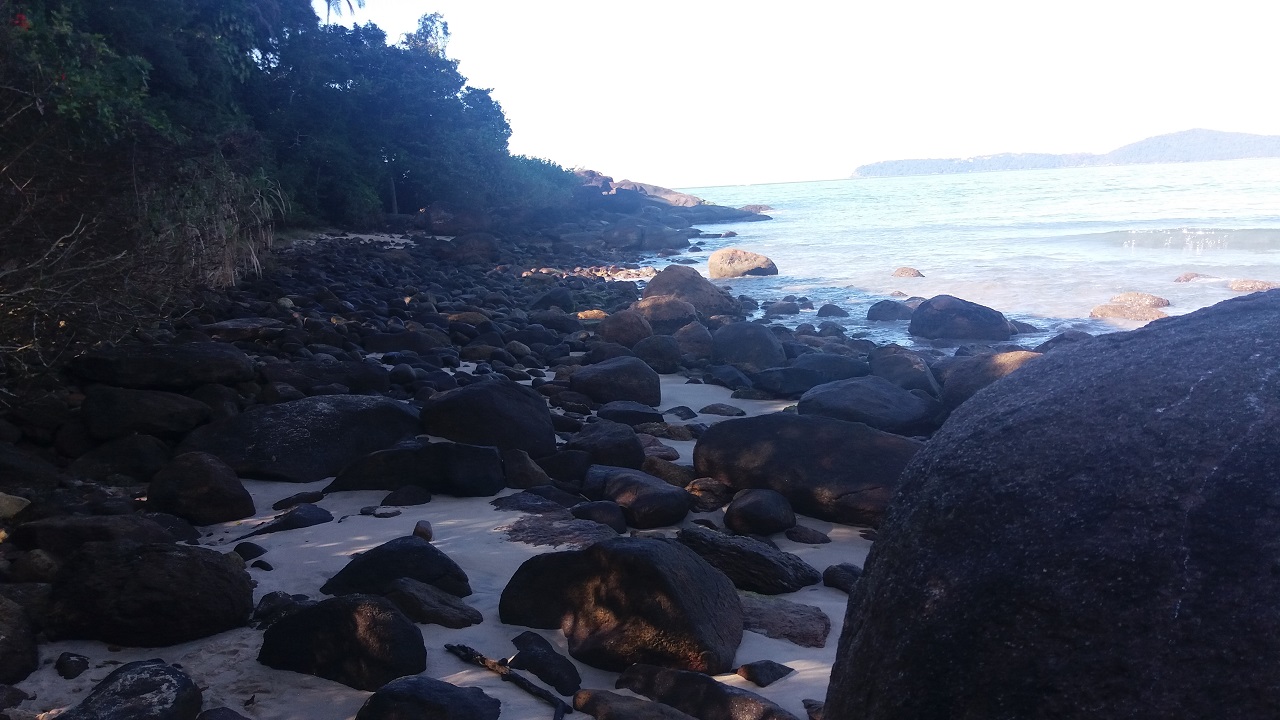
(399, 466)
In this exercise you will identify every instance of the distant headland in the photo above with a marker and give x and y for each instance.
(1187, 146)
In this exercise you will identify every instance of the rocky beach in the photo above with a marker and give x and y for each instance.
(457, 469)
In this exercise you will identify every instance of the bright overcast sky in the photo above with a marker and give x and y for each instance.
(690, 93)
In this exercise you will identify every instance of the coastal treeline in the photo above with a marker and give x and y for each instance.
(148, 147)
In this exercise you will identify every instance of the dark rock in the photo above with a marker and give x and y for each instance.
(781, 308)
(305, 440)
(429, 605)
(803, 625)
(62, 535)
(749, 347)
(69, 665)
(521, 472)
(630, 600)
(1151, 455)
(315, 377)
(807, 536)
(828, 469)
(735, 262)
(889, 311)
(361, 641)
(609, 443)
(18, 655)
(660, 352)
(307, 496)
(200, 488)
(605, 512)
(296, 518)
(646, 501)
(764, 673)
(904, 368)
(133, 459)
(422, 529)
(222, 713)
(682, 412)
(687, 284)
(699, 695)
(842, 576)
(874, 401)
(567, 466)
(629, 412)
(944, 316)
(21, 469)
(538, 657)
(726, 376)
(560, 497)
(759, 512)
(968, 376)
(666, 314)
(164, 367)
(560, 297)
(749, 563)
(419, 342)
(249, 550)
(1063, 339)
(831, 367)
(407, 496)
(605, 705)
(111, 412)
(503, 414)
(673, 474)
(786, 382)
(149, 689)
(829, 310)
(625, 328)
(723, 410)
(623, 378)
(424, 698)
(445, 468)
(694, 340)
(411, 557)
(148, 595)
(11, 697)
(709, 495)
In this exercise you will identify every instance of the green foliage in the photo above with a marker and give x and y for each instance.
(149, 146)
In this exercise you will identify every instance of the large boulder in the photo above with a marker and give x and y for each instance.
(495, 412)
(966, 377)
(687, 284)
(630, 600)
(424, 698)
(148, 595)
(830, 469)
(164, 367)
(361, 641)
(646, 501)
(112, 412)
(374, 571)
(832, 367)
(625, 328)
(1097, 530)
(150, 689)
(304, 440)
(945, 316)
(201, 489)
(874, 401)
(749, 347)
(622, 378)
(666, 313)
(609, 443)
(735, 262)
(443, 467)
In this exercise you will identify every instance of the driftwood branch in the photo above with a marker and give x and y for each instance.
(473, 657)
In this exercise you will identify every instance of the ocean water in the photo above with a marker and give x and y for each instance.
(1041, 246)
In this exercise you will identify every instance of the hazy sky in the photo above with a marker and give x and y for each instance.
(691, 93)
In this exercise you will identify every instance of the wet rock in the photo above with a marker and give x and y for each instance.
(829, 310)
(889, 311)
(945, 316)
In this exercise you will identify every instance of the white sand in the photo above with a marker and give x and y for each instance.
(226, 669)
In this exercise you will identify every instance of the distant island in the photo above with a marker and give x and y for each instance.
(1186, 146)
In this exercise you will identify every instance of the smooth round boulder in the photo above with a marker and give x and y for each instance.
(151, 689)
(1100, 516)
(735, 262)
(666, 313)
(759, 511)
(660, 352)
(687, 284)
(946, 316)
(874, 401)
(304, 440)
(374, 570)
(625, 328)
(749, 347)
(200, 488)
(694, 340)
(889, 311)
(497, 412)
(148, 595)
(622, 378)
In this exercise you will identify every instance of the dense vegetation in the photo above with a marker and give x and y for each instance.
(150, 146)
